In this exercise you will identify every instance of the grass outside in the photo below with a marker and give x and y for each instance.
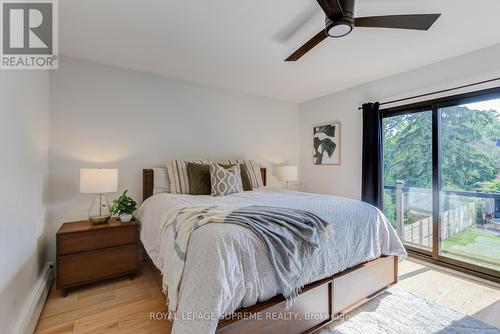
(476, 246)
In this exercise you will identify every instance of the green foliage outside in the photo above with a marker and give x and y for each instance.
(489, 187)
(390, 207)
(468, 145)
(123, 205)
(408, 150)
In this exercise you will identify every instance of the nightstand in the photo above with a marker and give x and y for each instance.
(89, 252)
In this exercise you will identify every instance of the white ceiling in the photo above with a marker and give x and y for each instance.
(233, 43)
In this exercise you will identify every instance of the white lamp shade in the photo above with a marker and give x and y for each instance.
(98, 181)
(287, 173)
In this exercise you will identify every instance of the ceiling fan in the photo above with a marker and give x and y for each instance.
(340, 21)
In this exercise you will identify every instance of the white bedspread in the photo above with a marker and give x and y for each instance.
(227, 266)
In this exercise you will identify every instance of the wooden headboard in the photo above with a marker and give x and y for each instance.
(148, 181)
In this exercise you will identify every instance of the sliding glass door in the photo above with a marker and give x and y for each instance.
(442, 180)
(408, 176)
(470, 191)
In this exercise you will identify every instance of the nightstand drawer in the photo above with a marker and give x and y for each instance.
(92, 266)
(78, 242)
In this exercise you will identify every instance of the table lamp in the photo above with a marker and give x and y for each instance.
(99, 181)
(287, 174)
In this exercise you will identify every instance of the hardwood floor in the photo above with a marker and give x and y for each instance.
(479, 300)
(124, 306)
(115, 306)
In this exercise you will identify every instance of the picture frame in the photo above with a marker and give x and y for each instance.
(327, 144)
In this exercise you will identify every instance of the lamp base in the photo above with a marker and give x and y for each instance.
(99, 219)
(99, 211)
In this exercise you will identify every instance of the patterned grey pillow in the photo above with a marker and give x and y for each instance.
(252, 169)
(225, 181)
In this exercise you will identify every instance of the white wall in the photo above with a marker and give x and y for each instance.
(24, 136)
(345, 180)
(103, 116)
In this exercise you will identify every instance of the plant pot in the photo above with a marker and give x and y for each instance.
(125, 217)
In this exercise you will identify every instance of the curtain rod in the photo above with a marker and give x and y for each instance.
(437, 92)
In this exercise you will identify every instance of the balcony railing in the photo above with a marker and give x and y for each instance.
(411, 212)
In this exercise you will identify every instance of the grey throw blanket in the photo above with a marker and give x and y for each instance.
(291, 237)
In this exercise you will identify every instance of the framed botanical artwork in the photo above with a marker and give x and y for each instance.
(326, 144)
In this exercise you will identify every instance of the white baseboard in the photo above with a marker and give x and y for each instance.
(28, 317)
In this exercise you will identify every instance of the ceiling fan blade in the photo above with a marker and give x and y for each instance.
(318, 38)
(413, 22)
(332, 8)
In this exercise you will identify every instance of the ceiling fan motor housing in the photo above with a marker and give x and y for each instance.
(341, 26)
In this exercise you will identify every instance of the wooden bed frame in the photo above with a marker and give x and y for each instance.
(319, 304)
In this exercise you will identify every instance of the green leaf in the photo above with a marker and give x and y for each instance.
(328, 130)
(316, 143)
(328, 146)
(322, 146)
(123, 204)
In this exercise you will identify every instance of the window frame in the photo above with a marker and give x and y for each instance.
(435, 105)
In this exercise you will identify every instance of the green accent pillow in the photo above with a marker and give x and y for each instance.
(199, 178)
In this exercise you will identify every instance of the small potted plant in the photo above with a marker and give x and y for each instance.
(124, 207)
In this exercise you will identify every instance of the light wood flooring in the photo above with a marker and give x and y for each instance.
(479, 300)
(119, 305)
(124, 306)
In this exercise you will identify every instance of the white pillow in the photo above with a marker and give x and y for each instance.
(161, 183)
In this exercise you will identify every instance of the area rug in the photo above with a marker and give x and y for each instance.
(399, 311)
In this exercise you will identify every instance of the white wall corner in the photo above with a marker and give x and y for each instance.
(30, 313)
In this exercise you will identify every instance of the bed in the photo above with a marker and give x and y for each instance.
(227, 271)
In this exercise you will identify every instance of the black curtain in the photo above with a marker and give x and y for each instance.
(373, 164)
